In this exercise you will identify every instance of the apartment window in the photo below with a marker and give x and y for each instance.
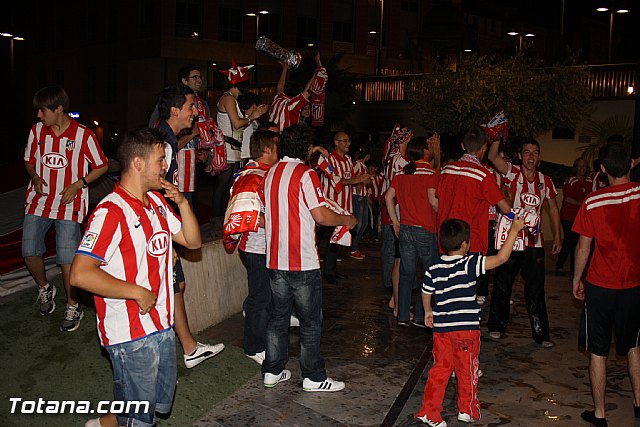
(112, 84)
(270, 26)
(147, 15)
(230, 24)
(307, 31)
(342, 31)
(91, 85)
(188, 18)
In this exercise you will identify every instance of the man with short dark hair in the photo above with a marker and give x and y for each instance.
(124, 259)
(609, 220)
(529, 189)
(62, 157)
(294, 203)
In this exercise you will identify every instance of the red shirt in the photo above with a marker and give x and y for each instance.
(411, 195)
(576, 189)
(466, 190)
(611, 216)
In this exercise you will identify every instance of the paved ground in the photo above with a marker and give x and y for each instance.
(385, 366)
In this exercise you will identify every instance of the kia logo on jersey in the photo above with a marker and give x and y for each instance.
(54, 161)
(158, 244)
(529, 199)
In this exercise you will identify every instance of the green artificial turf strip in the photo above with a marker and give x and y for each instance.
(39, 361)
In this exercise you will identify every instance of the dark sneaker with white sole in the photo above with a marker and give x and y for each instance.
(72, 317)
(46, 298)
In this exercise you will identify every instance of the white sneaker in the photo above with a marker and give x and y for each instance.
(466, 418)
(201, 353)
(294, 321)
(258, 357)
(326, 385)
(270, 380)
(495, 335)
(481, 299)
(430, 423)
(547, 344)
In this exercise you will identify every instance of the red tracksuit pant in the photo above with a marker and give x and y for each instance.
(453, 351)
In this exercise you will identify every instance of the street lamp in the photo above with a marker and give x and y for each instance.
(12, 37)
(611, 11)
(520, 40)
(257, 16)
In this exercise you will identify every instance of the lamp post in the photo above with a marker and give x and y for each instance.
(520, 40)
(11, 37)
(612, 10)
(257, 16)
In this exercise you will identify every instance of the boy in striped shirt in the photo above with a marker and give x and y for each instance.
(455, 319)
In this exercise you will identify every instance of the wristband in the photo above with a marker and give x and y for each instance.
(84, 182)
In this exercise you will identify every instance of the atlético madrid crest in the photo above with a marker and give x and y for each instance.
(71, 144)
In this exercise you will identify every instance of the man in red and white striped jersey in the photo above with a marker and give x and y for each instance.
(125, 259)
(62, 157)
(294, 203)
(342, 195)
(609, 221)
(286, 106)
(529, 189)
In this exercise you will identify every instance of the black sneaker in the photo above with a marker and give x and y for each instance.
(331, 279)
(46, 299)
(418, 324)
(403, 323)
(72, 317)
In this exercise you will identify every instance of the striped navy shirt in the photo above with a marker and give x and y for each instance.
(453, 280)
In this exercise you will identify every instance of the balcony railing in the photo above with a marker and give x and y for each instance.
(604, 82)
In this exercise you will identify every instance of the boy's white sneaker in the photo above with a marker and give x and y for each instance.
(430, 423)
(466, 418)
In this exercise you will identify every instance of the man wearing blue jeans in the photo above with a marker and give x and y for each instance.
(124, 259)
(294, 203)
(59, 156)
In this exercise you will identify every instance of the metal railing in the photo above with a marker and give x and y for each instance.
(610, 81)
(604, 82)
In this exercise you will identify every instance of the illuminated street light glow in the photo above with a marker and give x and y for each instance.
(6, 34)
(513, 33)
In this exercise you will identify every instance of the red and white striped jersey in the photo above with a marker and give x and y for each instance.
(611, 216)
(61, 161)
(360, 169)
(530, 195)
(285, 111)
(374, 189)
(289, 192)
(250, 179)
(465, 191)
(134, 244)
(343, 168)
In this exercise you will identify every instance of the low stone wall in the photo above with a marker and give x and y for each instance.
(216, 285)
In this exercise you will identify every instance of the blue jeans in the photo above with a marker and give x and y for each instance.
(34, 229)
(257, 302)
(145, 369)
(416, 244)
(361, 212)
(387, 254)
(304, 290)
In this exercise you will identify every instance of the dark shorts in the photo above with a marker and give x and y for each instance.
(608, 311)
(178, 276)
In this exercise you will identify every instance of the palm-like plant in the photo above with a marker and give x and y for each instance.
(601, 130)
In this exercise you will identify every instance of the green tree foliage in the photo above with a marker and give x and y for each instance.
(535, 99)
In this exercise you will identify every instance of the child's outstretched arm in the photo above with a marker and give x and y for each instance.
(507, 247)
(428, 312)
